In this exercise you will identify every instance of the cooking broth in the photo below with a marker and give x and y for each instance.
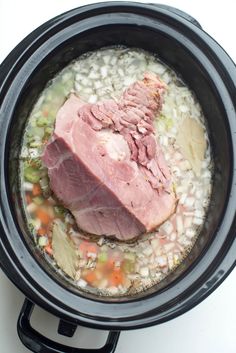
(100, 264)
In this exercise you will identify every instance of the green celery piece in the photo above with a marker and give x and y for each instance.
(49, 130)
(35, 131)
(35, 144)
(43, 121)
(31, 174)
(38, 200)
(102, 257)
(59, 210)
(128, 266)
(130, 256)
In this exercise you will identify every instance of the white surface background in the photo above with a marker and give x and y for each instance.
(208, 328)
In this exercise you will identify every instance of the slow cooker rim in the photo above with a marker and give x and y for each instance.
(221, 278)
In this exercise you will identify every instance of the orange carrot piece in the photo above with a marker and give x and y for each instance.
(48, 249)
(41, 231)
(116, 277)
(83, 246)
(36, 190)
(91, 248)
(110, 263)
(43, 216)
(90, 277)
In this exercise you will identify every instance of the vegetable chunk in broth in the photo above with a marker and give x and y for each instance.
(104, 265)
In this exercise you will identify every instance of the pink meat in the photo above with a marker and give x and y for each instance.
(105, 164)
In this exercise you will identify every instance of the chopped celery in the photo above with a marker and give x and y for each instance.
(35, 131)
(44, 121)
(44, 182)
(43, 241)
(59, 210)
(38, 200)
(102, 257)
(49, 130)
(37, 163)
(129, 256)
(31, 174)
(32, 225)
(128, 266)
(43, 172)
(35, 144)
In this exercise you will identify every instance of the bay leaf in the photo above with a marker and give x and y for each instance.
(192, 143)
(64, 250)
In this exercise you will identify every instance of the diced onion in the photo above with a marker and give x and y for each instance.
(179, 224)
(31, 207)
(148, 251)
(27, 186)
(82, 283)
(144, 271)
(197, 221)
(190, 233)
(162, 261)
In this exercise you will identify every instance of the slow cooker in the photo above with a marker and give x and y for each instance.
(181, 43)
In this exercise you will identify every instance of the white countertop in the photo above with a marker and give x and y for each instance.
(208, 328)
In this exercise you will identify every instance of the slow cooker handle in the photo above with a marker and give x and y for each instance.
(179, 13)
(37, 343)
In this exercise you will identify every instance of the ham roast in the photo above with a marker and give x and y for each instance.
(106, 166)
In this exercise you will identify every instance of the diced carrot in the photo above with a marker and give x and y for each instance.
(91, 248)
(83, 246)
(36, 190)
(43, 216)
(116, 277)
(28, 199)
(41, 231)
(110, 263)
(45, 113)
(48, 249)
(90, 277)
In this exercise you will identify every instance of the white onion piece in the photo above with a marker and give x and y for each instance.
(168, 247)
(162, 261)
(27, 186)
(189, 202)
(183, 198)
(179, 225)
(173, 236)
(199, 213)
(82, 283)
(167, 227)
(113, 290)
(92, 255)
(170, 258)
(32, 207)
(197, 221)
(144, 271)
(148, 251)
(93, 99)
(190, 233)
(187, 222)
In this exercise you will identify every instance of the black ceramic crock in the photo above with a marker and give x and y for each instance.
(180, 42)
